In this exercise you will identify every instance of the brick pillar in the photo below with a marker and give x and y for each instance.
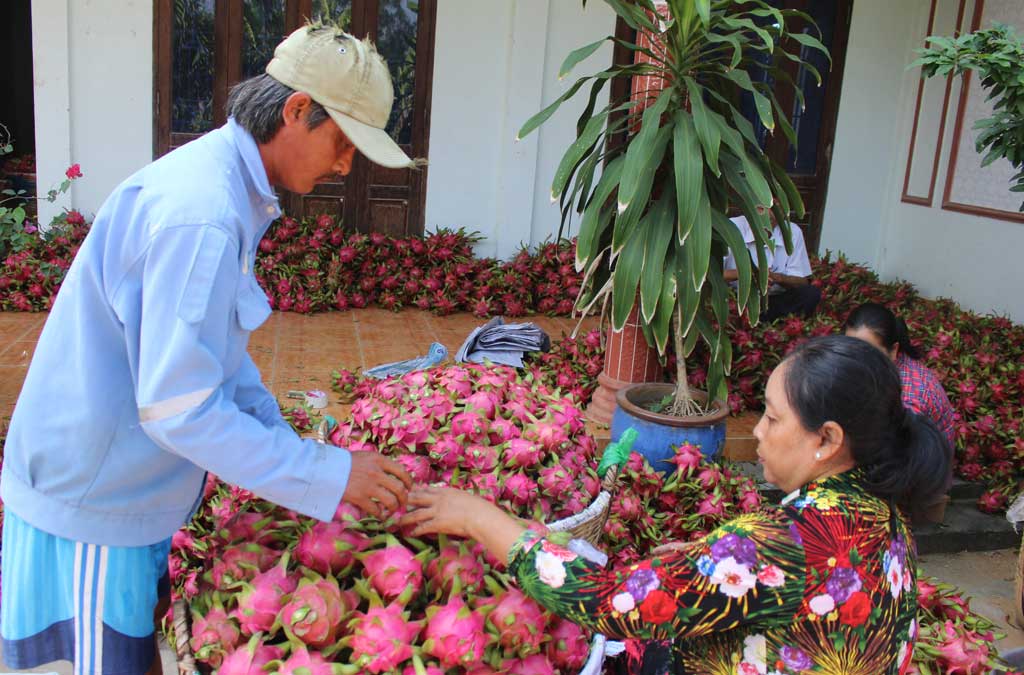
(628, 359)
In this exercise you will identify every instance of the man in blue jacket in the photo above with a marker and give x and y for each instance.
(141, 382)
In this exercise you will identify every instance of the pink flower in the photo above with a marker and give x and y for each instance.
(74, 171)
(822, 604)
(771, 576)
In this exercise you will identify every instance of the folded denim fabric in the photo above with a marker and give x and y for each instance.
(503, 343)
(437, 353)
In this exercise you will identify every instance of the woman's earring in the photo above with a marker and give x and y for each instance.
(817, 455)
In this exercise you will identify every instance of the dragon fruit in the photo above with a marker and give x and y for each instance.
(260, 601)
(330, 548)
(393, 570)
(531, 665)
(522, 453)
(569, 647)
(419, 468)
(381, 638)
(457, 566)
(520, 489)
(302, 662)
(314, 613)
(213, 636)
(520, 622)
(240, 563)
(455, 634)
(555, 481)
(962, 654)
(484, 402)
(503, 431)
(549, 435)
(471, 425)
(481, 458)
(250, 659)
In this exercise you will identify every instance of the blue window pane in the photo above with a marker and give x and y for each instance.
(807, 121)
(192, 66)
(262, 29)
(396, 40)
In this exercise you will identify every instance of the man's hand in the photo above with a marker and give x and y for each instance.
(377, 485)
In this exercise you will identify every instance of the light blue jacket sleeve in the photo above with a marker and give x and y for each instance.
(189, 340)
(253, 398)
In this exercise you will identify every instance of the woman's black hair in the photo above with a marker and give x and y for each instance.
(905, 458)
(889, 328)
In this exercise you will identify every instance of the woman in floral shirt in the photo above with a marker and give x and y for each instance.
(822, 583)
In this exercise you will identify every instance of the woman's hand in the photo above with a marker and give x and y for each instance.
(443, 510)
(673, 547)
(437, 510)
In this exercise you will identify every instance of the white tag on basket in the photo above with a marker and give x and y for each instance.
(595, 662)
(584, 549)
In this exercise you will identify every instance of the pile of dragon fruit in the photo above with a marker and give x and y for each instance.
(268, 589)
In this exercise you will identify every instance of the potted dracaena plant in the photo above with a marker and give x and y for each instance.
(653, 224)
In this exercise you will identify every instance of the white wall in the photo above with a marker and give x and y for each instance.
(93, 73)
(972, 259)
(495, 65)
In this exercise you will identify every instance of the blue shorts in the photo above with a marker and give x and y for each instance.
(88, 604)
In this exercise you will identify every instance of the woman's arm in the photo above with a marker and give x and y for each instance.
(748, 571)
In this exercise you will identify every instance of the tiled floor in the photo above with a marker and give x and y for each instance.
(294, 351)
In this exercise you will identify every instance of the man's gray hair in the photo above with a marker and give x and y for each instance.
(257, 104)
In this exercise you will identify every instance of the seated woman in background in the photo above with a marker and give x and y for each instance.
(823, 582)
(922, 391)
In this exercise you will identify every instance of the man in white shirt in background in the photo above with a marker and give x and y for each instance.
(791, 292)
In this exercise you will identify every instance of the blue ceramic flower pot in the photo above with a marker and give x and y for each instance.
(658, 434)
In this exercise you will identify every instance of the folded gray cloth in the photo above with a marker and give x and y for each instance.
(499, 342)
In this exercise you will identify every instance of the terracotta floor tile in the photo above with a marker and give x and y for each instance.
(19, 353)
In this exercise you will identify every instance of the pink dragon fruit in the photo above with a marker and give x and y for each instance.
(302, 662)
(962, 654)
(471, 425)
(251, 526)
(213, 636)
(569, 647)
(419, 467)
(314, 613)
(447, 451)
(484, 402)
(250, 659)
(520, 622)
(240, 563)
(688, 458)
(627, 505)
(393, 570)
(410, 431)
(555, 481)
(536, 664)
(522, 453)
(455, 565)
(503, 431)
(381, 638)
(520, 489)
(455, 634)
(260, 601)
(329, 548)
(549, 435)
(481, 458)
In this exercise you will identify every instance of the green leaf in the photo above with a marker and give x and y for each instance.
(812, 42)
(707, 132)
(638, 153)
(737, 48)
(660, 228)
(577, 55)
(761, 102)
(689, 173)
(698, 244)
(573, 156)
(626, 221)
(747, 24)
(689, 297)
(543, 116)
(662, 323)
(627, 274)
(730, 234)
(796, 202)
(592, 226)
(634, 17)
(756, 181)
(704, 11)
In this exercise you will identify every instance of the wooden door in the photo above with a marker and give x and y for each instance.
(203, 47)
(815, 125)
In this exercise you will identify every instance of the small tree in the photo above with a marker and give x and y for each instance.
(996, 54)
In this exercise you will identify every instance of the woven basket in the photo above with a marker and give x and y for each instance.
(587, 525)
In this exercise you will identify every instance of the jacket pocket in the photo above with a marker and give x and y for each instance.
(251, 306)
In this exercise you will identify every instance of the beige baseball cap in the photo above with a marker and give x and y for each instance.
(349, 78)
